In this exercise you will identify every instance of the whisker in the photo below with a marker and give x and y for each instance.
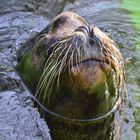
(70, 64)
(49, 85)
(44, 79)
(76, 58)
(63, 63)
(51, 70)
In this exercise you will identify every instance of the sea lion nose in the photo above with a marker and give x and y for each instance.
(82, 29)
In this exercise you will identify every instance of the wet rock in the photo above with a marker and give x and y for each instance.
(18, 118)
(47, 8)
(20, 122)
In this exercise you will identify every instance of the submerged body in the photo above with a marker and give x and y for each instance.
(74, 68)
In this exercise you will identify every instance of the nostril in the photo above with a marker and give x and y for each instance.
(91, 35)
(82, 29)
(88, 31)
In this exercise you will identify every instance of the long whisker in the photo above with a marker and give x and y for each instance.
(76, 58)
(49, 85)
(63, 63)
(70, 64)
(51, 72)
(48, 72)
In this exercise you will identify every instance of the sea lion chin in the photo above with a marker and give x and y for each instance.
(74, 66)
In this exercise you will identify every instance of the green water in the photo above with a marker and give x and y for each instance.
(133, 6)
(133, 70)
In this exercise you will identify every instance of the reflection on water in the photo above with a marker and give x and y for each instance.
(120, 19)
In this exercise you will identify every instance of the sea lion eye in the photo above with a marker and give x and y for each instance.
(58, 23)
(40, 49)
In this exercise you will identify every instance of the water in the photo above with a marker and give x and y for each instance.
(120, 19)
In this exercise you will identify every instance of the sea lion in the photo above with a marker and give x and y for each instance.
(74, 68)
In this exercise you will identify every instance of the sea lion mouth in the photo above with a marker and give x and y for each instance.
(105, 66)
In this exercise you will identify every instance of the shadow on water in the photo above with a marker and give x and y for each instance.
(19, 20)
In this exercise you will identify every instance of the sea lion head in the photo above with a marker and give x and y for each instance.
(79, 62)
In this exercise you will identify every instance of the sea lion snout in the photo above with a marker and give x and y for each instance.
(83, 29)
